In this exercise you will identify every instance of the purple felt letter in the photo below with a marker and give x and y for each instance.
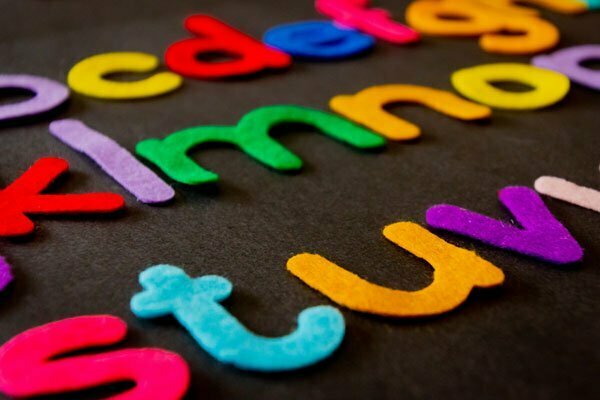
(48, 95)
(568, 61)
(542, 236)
(5, 274)
(116, 161)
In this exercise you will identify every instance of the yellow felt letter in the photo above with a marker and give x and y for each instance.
(88, 77)
(474, 83)
(456, 272)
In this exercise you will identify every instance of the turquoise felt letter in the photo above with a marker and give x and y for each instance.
(195, 304)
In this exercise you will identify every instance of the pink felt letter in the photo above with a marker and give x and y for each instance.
(375, 22)
(27, 367)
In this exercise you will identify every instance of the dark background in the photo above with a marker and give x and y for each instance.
(536, 337)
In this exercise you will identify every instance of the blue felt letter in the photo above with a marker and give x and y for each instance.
(318, 40)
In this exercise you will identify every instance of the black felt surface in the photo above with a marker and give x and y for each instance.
(536, 337)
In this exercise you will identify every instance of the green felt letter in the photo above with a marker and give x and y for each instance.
(251, 135)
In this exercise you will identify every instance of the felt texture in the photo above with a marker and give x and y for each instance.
(570, 192)
(6, 276)
(116, 161)
(251, 135)
(318, 40)
(491, 24)
(23, 197)
(373, 21)
(88, 76)
(540, 234)
(505, 6)
(367, 108)
(501, 6)
(251, 56)
(456, 272)
(48, 94)
(535, 35)
(28, 367)
(535, 337)
(568, 62)
(426, 16)
(475, 83)
(195, 304)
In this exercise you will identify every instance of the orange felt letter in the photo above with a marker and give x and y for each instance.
(452, 18)
(366, 108)
(535, 35)
(559, 6)
(527, 33)
(456, 272)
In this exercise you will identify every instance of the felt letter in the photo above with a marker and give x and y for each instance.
(23, 197)
(318, 40)
(249, 55)
(48, 94)
(456, 272)
(195, 304)
(568, 61)
(452, 18)
(560, 6)
(475, 84)
(471, 18)
(535, 35)
(88, 77)
(500, 6)
(541, 236)
(28, 367)
(366, 108)
(134, 176)
(251, 135)
(568, 191)
(376, 22)
(5, 274)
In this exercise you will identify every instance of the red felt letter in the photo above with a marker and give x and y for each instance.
(249, 55)
(23, 197)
